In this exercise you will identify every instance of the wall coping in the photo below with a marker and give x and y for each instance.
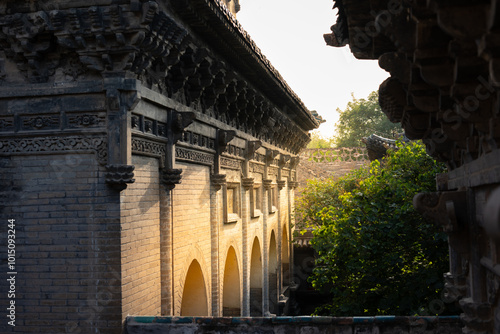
(317, 320)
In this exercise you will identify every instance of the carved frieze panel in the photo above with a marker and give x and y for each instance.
(230, 163)
(148, 147)
(194, 156)
(87, 120)
(42, 122)
(256, 168)
(21, 146)
(7, 124)
(272, 171)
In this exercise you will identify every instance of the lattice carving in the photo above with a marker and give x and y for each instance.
(194, 156)
(148, 147)
(230, 163)
(35, 145)
(339, 155)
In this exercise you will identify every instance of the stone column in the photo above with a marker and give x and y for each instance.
(218, 183)
(247, 184)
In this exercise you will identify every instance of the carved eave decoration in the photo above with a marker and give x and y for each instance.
(141, 40)
(211, 19)
(443, 61)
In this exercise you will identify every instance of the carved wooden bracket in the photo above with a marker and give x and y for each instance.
(118, 176)
(178, 122)
(294, 161)
(170, 177)
(284, 159)
(267, 183)
(446, 208)
(247, 182)
(218, 180)
(271, 154)
(223, 138)
(252, 146)
(281, 184)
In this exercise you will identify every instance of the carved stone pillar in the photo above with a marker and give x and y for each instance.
(121, 98)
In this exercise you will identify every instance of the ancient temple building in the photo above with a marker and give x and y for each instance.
(148, 156)
(443, 58)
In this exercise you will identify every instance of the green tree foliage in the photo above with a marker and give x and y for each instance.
(376, 254)
(360, 119)
(318, 141)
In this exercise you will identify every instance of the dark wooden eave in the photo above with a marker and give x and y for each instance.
(213, 22)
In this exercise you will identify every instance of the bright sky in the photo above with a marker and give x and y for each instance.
(290, 34)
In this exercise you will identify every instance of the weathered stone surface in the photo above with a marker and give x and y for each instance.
(306, 324)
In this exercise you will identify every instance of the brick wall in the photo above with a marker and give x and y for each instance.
(323, 163)
(67, 240)
(141, 288)
(191, 223)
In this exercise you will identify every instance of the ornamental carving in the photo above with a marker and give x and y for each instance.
(272, 171)
(21, 146)
(40, 122)
(119, 176)
(197, 139)
(6, 124)
(194, 156)
(86, 121)
(148, 147)
(446, 208)
(267, 183)
(142, 41)
(218, 180)
(247, 182)
(170, 177)
(230, 163)
(149, 126)
(256, 168)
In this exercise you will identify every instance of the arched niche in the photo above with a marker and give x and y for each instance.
(231, 299)
(194, 295)
(256, 280)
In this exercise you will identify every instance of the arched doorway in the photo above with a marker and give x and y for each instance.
(231, 302)
(256, 280)
(285, 257)
(273, 275)
(194, 296)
